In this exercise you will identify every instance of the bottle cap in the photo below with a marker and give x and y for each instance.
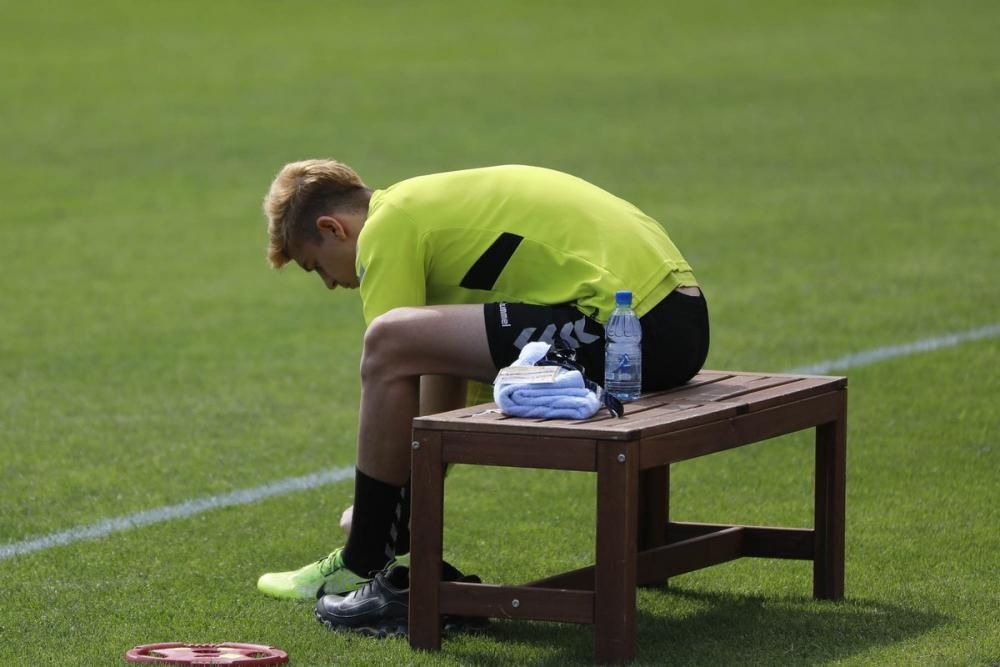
(623, 298)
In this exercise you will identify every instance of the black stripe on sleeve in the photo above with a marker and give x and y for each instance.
(484, 273)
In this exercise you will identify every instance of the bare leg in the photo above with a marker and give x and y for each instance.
(441, 393)
(399, 347)
(438, 393)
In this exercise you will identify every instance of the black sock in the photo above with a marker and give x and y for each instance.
(374, 531)
(402, 525)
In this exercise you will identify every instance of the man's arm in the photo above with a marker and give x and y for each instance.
(391, 265)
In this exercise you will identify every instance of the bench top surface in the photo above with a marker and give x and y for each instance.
(709, 396)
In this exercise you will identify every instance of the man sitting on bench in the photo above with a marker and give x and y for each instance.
(457, 272)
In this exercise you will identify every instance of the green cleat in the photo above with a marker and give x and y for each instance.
(327, 576)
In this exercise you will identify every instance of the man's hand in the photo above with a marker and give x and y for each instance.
(345, 520)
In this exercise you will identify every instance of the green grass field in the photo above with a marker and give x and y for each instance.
(831, 170)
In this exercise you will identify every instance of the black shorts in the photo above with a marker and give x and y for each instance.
(675, 337)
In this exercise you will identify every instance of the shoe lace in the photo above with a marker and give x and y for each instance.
(376, 574)
(368, 586)
(328, 563)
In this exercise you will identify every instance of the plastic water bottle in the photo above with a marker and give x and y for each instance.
(623, 351)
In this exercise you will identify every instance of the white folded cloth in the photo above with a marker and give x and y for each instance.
(567, 397)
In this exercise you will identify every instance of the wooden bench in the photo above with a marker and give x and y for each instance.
(636, 542)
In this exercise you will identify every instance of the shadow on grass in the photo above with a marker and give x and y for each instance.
(694, 627)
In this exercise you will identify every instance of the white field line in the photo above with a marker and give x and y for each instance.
(289, 485)
(892, 351)
(182, 510)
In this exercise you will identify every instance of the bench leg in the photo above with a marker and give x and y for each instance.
(615, 571)
(426, 527)
(831, 473)
(654, 509)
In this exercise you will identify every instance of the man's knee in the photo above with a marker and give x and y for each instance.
(385, 345)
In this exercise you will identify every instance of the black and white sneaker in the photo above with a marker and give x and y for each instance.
(380, 608)
(377, 609)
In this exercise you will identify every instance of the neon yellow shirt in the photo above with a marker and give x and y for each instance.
(512, 233)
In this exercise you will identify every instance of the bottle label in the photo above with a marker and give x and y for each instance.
(624, 364)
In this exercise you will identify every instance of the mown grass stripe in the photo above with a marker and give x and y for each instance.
(294, 484)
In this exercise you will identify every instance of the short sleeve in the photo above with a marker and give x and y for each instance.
(390, 264)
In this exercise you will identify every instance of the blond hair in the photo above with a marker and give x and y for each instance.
(300, 191)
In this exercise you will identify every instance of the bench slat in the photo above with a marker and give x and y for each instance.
(733, 386)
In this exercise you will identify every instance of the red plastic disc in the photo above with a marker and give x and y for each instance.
(178, 653)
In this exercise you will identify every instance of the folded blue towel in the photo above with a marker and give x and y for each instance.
(567, 397)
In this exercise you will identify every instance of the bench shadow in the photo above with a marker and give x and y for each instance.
(718, 628)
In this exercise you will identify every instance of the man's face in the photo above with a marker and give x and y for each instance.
(332, 258)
